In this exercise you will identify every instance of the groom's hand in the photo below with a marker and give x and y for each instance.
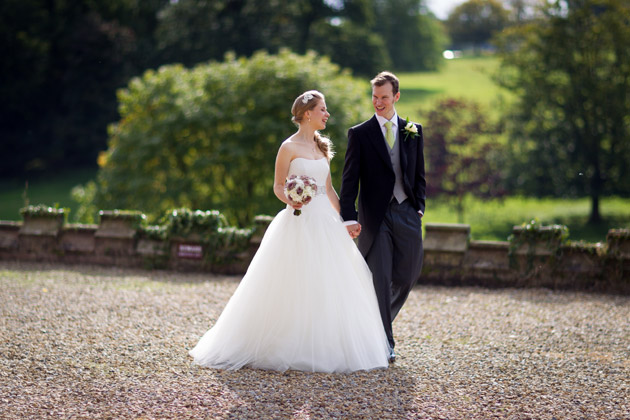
(354, 230)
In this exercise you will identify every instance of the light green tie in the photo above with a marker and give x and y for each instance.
(389, 134)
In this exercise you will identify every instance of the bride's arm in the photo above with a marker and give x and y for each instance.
(332, 194)
(283, 160)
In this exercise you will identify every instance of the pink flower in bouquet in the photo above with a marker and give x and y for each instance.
(300, 189)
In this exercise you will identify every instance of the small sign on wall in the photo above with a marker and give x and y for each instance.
(192, 251)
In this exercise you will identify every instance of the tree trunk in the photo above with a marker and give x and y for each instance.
(595, 216)
(596, 190)
(459, 208)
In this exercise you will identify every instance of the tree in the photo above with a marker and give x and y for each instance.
(474, 23)
(351, 46)
(521, 11)
(463, 156)
(414, 38)
(62, 63)
(191, 31)
(64, 60)
(207, 137)
(571, 72)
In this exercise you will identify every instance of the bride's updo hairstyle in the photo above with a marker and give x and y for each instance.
(306, 102)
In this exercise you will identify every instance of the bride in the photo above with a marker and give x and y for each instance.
(307, 301)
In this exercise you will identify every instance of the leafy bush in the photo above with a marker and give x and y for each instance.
(463, 155)
(223, 242)
(43, 210)
(185, 222)
(207, 137)
(533, 233)
(84, 195)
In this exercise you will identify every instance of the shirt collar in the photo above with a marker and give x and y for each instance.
(383, 120)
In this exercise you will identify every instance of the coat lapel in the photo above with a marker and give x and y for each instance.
(376, 136)
(402, 144)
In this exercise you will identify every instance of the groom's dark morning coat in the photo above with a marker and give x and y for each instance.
(368, 163)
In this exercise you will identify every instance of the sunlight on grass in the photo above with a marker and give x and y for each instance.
(494, 219)
(469, 78)
(49, 190)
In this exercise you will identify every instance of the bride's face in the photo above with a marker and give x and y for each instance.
(318, 115)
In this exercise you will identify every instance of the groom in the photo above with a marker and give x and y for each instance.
(384, 165)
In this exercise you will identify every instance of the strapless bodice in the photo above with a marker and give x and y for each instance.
(315, 168)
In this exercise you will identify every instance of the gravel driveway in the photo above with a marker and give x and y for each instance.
(106, 343)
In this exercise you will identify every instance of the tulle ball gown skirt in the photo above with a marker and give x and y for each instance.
(307, 303)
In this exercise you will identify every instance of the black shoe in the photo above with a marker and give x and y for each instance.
(392, 356)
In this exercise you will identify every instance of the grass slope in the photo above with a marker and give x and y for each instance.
(469, 78)
(49, 190)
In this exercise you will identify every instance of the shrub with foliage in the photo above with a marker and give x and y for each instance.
(570, 126)
(207, 137)
(42, 210)
(462, 153)
(222, 243)
(531, 234)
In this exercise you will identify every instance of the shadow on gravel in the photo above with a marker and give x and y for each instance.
(381, 394)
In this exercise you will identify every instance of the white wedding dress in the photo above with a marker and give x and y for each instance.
(307, 301)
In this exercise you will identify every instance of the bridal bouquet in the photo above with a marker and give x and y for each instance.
(300, 189)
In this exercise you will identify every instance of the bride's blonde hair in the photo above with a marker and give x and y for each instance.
(306, 102)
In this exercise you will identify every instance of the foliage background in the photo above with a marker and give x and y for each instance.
(62, 61)
(569, 129)
(565, 113)
(207, 137)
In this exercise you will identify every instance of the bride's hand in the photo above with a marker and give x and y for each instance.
(295, 205)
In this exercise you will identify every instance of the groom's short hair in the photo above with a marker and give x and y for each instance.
(384, 77)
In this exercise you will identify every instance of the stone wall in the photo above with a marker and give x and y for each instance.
(451, 258)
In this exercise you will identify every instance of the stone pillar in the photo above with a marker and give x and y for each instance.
(77, 243)
(487, 264)
(261, 223)
(618, 241)
(115, 238)
(38, 235)
(617, 262)
(445, 246)
(153, 246)
(9, 234)
(533, 247)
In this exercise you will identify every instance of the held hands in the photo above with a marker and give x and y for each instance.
(354, 230)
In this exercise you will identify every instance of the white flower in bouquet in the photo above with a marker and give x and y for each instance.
(300, 189)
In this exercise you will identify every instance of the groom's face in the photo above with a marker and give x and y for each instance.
(383, 99)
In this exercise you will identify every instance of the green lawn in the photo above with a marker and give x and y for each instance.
(49, 190)
(494, 219)
(469, 78)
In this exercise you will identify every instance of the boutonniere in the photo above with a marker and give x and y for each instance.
(410, 129)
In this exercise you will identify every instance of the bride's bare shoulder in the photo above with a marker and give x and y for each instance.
(288, 144)
(287, 149)
(289, 140)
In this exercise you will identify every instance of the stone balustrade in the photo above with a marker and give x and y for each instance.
(450, 257)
